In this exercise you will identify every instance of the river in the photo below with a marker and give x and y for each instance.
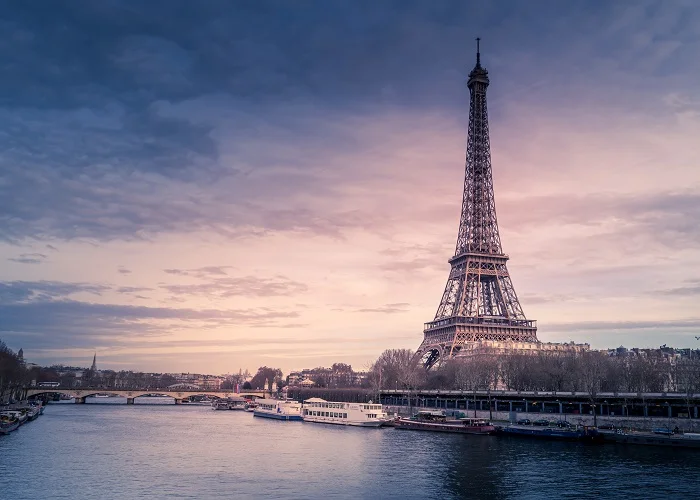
(115, 451)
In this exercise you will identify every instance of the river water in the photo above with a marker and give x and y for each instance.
(115, 451)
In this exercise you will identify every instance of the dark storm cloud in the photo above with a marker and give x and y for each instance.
(91, 151)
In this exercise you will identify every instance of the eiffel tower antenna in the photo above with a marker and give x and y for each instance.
(479, 302)
(478, 52)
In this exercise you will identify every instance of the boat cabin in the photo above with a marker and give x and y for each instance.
(475, 422)
(430, 416)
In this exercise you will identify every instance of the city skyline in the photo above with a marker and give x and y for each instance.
(221, 186)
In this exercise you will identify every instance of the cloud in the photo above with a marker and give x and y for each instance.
(22, 292)
(29, 258)
(533, 298)
(201, 272)
(132, 289)
(328, 143)
(398, 307)
(241, 286)
(690, 289)
(689, 325)
(61, 324)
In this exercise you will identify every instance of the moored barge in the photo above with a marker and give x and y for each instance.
(559, 433)
(437, 422)
(674, 440)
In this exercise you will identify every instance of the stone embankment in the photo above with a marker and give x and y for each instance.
(637, 423)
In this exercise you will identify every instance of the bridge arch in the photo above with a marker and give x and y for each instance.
(178, 395)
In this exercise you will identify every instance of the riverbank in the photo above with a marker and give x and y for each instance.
(646, 424)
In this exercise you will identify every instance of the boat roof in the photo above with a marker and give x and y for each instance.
(315, 400)
(274, 401)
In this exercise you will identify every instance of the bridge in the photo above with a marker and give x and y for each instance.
(80, 393)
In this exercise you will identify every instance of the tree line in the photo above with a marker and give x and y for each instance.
(589, 372)
(13, 375)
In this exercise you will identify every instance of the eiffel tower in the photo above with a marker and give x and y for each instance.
(479, 302)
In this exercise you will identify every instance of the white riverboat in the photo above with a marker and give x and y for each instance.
(280, 409)
(320, 411)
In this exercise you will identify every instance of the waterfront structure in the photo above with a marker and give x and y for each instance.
(631, 406)
(340, 413)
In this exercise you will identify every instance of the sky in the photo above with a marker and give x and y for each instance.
(213, 185)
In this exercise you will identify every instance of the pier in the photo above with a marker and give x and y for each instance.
(641, 410)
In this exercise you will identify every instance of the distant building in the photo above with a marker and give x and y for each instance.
(505, 348)
(338, 376)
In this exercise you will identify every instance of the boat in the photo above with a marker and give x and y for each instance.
(18, 415)
(33, 412)
(436, 421)
(250, 406)
(230, 403)
(237, 403)
(654, 438)
(8, 424)
(561, 431)
(280, 409)
(320, 411)
(221, 404)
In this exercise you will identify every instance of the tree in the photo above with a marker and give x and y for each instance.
(166, 380)
(266, 374)
(398, 368)
(592, 370)
(686, 375)
(12, 371)
(247, 386)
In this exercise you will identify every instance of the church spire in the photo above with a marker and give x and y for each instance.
(94, 363)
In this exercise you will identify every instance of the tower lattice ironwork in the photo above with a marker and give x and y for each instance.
(479, 301)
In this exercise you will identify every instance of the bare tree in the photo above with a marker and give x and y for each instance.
(399, 369)
(686, 375)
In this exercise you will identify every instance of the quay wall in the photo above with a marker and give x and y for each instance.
(638, 423)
